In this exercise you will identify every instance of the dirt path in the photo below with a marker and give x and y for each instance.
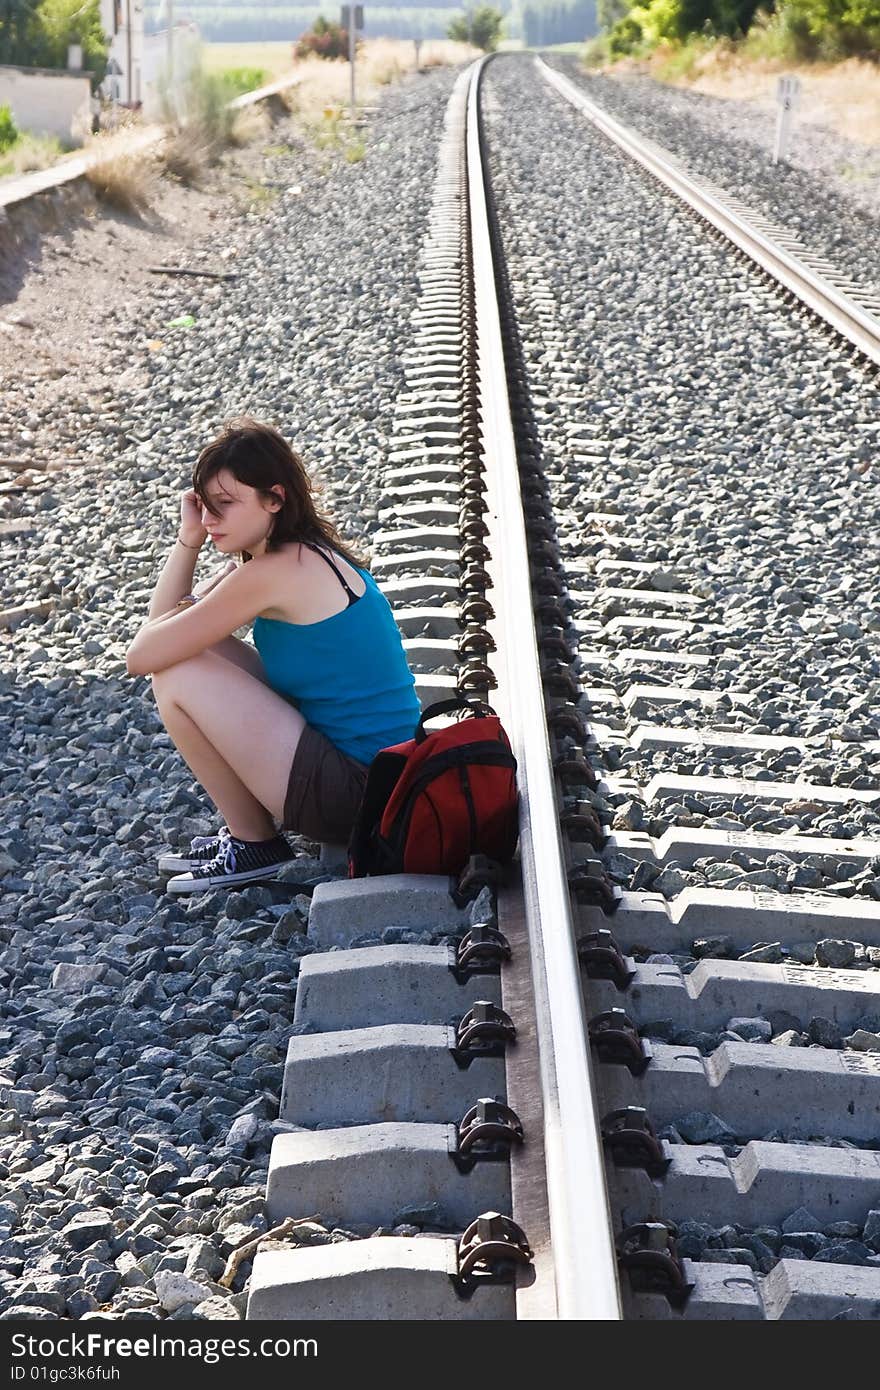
(67, 293)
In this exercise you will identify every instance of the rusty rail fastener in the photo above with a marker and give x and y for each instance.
(603, 959)
(486, 1133)
(592, 887)
(648, 1253)
(490, 1251)
(480, 951)
(632, 1141)
(484, 1031)
(616, 1040)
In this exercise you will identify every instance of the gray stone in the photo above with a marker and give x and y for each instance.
(629, 816)
(702, 1127)
(871, 1232)
(27, 1312)
(175, 1289)
(241, 1132)
(714, 947)
(84, 1229)
(76, 978)
(835, 953)
(824, 1031)
(482, 909)
(801, 1220)
(751, 1029)
(808, 1242)
(844, 1252)
(671, 881)
(768, 953)
(863, 1041)
(215, 1308)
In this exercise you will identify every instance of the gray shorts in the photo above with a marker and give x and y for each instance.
(324, 790)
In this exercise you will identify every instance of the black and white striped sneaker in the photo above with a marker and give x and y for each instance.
(236, 862)
(202, 849)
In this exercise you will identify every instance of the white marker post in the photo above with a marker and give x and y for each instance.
(352, 19)
(787, 92)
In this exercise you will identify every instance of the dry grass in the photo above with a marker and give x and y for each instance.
(29, 153)
(843, 97)
(249, 124)
(185, 158)
(322, 91)
(125, 181)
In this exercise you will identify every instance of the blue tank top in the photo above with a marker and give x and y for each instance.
(347, 674)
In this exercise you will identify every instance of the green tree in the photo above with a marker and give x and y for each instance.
(63, 22)
(480, 26)
(18, 32)
(836, 27)
(610, 12)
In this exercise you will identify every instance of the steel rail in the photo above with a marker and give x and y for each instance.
(584, 1260)
(845, 316)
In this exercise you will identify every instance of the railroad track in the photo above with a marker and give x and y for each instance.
(565, 1113)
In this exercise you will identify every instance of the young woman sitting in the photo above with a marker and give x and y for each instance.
(281, 732)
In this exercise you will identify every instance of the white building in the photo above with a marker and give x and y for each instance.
(48, 101)
(123, 23)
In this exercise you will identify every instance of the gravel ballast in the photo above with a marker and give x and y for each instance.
(142, 1038)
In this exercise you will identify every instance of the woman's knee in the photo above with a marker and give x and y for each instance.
(182, 671)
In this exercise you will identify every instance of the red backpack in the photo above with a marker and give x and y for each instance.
(432, 802)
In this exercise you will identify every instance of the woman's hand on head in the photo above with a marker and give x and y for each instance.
(191, 528)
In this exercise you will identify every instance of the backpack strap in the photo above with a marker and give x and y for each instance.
(478, 710)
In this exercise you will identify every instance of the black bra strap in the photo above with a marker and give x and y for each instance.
(352, 596)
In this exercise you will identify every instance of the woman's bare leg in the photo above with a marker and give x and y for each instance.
(236, 734)
(241, 654)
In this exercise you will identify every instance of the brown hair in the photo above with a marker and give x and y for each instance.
(257, 455)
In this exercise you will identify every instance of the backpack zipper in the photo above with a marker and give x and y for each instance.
(469, 800)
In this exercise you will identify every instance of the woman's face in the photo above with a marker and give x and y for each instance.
(240, 517)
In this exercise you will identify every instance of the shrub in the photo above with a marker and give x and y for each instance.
(184, 159)
(793, 29)
(198, 116)
(481, 26)
(125, 181)
(831, 28)
(8, 128)
(624, 37)
(237, 81)
(325, 40)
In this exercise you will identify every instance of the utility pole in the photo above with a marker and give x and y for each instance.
(352, 18)
(351, 55)
(170, 47)
(128, 49)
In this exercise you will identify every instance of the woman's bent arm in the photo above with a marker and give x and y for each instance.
(174, 637)
(175, 580)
